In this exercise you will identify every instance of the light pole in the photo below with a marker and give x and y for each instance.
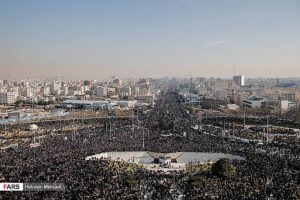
(137, 116)
(148, 133)
(244, 119)
(109, 129)
(106, 128)
(143, 138)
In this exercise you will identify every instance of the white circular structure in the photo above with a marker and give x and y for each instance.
(174, 161)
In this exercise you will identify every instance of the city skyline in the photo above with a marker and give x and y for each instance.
(90, 40)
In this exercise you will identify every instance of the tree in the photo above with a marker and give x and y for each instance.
(163, 125)
(171, 125)
(223, 168)
(191, 109)
(197, 181)
(19, 102)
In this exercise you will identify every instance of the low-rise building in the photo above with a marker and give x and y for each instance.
(145, 98)
(255, 102)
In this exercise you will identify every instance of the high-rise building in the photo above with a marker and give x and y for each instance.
(45, 90)
(135, 90)
(55, 86)
(146, 81)
(87, 83)
(239, 80)
(7, 97)
(5, 82)
(118, 81)
(125, 91)
(100, 91)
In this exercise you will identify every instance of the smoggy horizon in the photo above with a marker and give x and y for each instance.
(98, 39)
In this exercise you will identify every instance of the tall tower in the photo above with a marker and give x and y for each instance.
(239, 80)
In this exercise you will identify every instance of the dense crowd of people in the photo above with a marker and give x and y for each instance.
(258, 120)
(270, 170)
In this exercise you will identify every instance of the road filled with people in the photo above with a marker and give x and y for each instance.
(270, 169)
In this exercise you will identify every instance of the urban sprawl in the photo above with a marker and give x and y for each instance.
(152, 138)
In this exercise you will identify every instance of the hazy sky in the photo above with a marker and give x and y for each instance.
(97, 39)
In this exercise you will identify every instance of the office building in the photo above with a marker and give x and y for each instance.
(239, 80)
(7, 97)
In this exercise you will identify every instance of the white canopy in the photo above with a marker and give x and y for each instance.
(33, 127)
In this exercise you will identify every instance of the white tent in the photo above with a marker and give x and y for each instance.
(33, 127)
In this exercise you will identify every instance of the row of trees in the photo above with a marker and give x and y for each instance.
(44, 103)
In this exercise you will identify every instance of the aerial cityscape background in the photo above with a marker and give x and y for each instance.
(150, 100)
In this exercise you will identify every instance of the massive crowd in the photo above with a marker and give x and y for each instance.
(271, 170)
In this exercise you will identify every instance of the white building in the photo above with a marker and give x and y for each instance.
(220, 94)
(135, 90)
(55, 86)
(65, 90)
(15, 90)
(125, 91)
(144, 91)
(286, 105)
(239, 80)
(45, 90)
(126, 104)
(254, 102)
